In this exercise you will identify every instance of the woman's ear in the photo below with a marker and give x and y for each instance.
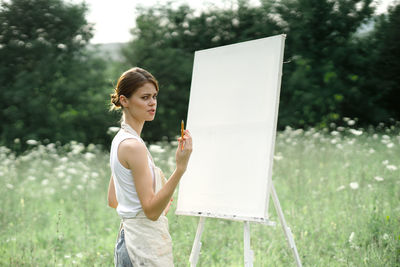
(123, 100)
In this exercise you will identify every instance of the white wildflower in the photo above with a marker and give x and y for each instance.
(340, 128)
(79, 187)
(79, 255)
(112, 130)
(385, 137)
(278, 157)
(378, 178)
(72, 171)
(32, 142)
(385, 162)
(371, 151)
(391, 167)
(61, 46)
(64, 159)
(31, 178)
(61, 175)
(354, 185)
(17, 140)
(45, 182)
(334, 133)
(67, 256)
(9, 186)
(375, 136)
(351, 237)
(355, 132)
(385, 236)
(95, 174)
(156, 149)
(89, 156)
(351, 122)
(340, 188)
(390, 145)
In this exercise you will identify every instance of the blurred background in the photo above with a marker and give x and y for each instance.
(60, 60)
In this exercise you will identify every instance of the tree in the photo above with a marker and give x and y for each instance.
(48, 80)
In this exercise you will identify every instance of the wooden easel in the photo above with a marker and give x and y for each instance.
(248, 253)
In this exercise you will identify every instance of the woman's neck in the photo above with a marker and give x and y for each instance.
(136, 125)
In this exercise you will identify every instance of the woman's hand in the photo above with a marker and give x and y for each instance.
(183, 151)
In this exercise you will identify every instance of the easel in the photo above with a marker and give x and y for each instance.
(248, 253)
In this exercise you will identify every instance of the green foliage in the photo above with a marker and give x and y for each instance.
(327, 76)
(50, 86)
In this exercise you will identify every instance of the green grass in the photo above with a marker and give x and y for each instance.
(54, 205)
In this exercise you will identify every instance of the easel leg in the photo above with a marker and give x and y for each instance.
(248, 253)
(286, 229)
(194, 255)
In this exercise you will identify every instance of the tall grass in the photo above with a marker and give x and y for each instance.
(339, 189)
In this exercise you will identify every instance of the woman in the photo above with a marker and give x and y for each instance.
(138, 189)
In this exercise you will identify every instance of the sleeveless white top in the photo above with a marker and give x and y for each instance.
(128, 201)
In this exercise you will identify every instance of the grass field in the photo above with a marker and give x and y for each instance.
(339, 189)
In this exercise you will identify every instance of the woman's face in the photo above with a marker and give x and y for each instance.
(142, 104)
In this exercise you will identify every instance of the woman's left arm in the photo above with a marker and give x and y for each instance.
(112, 199)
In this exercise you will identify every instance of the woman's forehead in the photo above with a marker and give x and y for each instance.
(147, 88)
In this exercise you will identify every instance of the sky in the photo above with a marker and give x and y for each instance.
(113, 19)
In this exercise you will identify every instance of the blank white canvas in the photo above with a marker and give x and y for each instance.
(232, 116)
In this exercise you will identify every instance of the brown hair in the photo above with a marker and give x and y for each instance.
(129, 82)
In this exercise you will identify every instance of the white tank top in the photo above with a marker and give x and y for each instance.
(125, 191)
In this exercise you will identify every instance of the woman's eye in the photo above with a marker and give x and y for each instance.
(155, 97)
(145, 97)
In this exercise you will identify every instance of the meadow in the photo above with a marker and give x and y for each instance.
(339, 188)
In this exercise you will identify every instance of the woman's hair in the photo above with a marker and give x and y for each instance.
(128, 83)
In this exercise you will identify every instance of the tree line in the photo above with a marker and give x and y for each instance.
(341, 60)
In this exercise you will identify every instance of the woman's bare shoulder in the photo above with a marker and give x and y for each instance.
(132, 151)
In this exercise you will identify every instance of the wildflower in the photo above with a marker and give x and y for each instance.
(355, 132)
(354, 185)
(378, 178)
(89, 156)
(31, 178)
(112, 130)
(390, 145)
(371, 151)
(340, 128)
(385, 162)
(156, 149)
(79, 255)
(334, 133)
(9, 186)
(385, 236)
(32, 142)
(351, 237)
(351, 122)
(17, 140)
(278, 157)
(391, 167)
(340, 188)
(45, 182)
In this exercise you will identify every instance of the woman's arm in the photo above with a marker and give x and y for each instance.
(112, 199)
(134, 155)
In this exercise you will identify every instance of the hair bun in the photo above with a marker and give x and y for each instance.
(115, 101)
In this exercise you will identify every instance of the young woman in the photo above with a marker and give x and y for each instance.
(138, 189)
